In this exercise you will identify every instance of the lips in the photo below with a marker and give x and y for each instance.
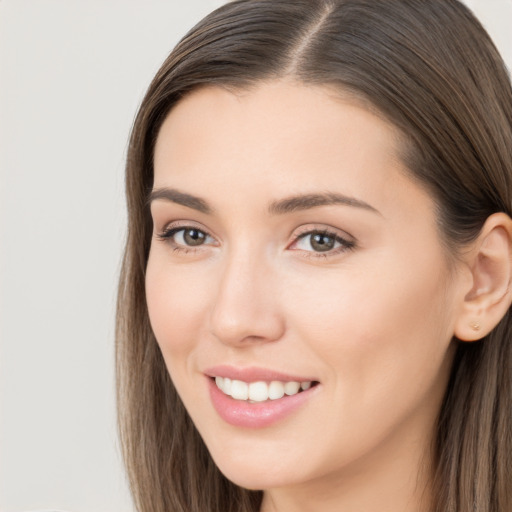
(255, 374)
(255, 397)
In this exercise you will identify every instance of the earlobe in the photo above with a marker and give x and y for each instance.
(490, 264)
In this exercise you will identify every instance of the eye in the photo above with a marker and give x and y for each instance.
(322, 242)
(184, 237)
(190, 236)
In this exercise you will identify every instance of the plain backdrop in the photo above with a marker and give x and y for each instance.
(72, 73)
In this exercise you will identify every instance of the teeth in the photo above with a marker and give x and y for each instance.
(276, 390)
(239, 390)
(291, 388)
(259, 391)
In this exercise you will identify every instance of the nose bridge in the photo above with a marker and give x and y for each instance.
(245, 306)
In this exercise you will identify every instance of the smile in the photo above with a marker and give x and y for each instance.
(261, 391)
(258, 398)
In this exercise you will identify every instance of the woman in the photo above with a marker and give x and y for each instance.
(313, 309)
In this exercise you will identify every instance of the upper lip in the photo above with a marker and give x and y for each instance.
(254, 374)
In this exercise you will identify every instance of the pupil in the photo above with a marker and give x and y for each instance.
(194, 237)
(321, 242)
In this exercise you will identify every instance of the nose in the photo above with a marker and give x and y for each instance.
(246, 308)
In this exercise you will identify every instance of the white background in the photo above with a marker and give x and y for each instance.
(72, 73)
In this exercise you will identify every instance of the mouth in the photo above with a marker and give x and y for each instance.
(260, 391)
(257, 397)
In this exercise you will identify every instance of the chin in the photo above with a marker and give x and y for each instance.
(254, 472)
(257, 479)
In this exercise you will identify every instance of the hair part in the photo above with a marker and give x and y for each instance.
(432, 71)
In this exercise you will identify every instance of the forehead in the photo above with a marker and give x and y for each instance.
(269, 102)
(271, 127)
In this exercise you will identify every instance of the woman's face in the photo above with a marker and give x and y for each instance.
(290, 248)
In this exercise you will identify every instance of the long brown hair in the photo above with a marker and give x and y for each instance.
(430, 68)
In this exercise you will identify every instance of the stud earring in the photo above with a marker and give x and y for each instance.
(475, 326)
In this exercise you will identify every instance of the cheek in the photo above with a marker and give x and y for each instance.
(176, 306)
(382, 340)
(390, 324)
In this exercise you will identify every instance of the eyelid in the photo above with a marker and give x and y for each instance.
(323, 229)
(182, 224)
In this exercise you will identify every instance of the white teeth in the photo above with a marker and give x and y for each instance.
(276, 390)
(239, 390)
(291, 388)
(259, 391)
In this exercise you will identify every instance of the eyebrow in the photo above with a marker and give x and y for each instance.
(307, 201)
(287, 205)
(175, 196)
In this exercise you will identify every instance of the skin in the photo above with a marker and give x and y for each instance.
(371, 320)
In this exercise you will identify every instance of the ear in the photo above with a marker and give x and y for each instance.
(490, 264)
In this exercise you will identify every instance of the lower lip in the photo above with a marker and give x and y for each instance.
(258, 415)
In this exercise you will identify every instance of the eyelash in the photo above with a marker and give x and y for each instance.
(168, 234)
